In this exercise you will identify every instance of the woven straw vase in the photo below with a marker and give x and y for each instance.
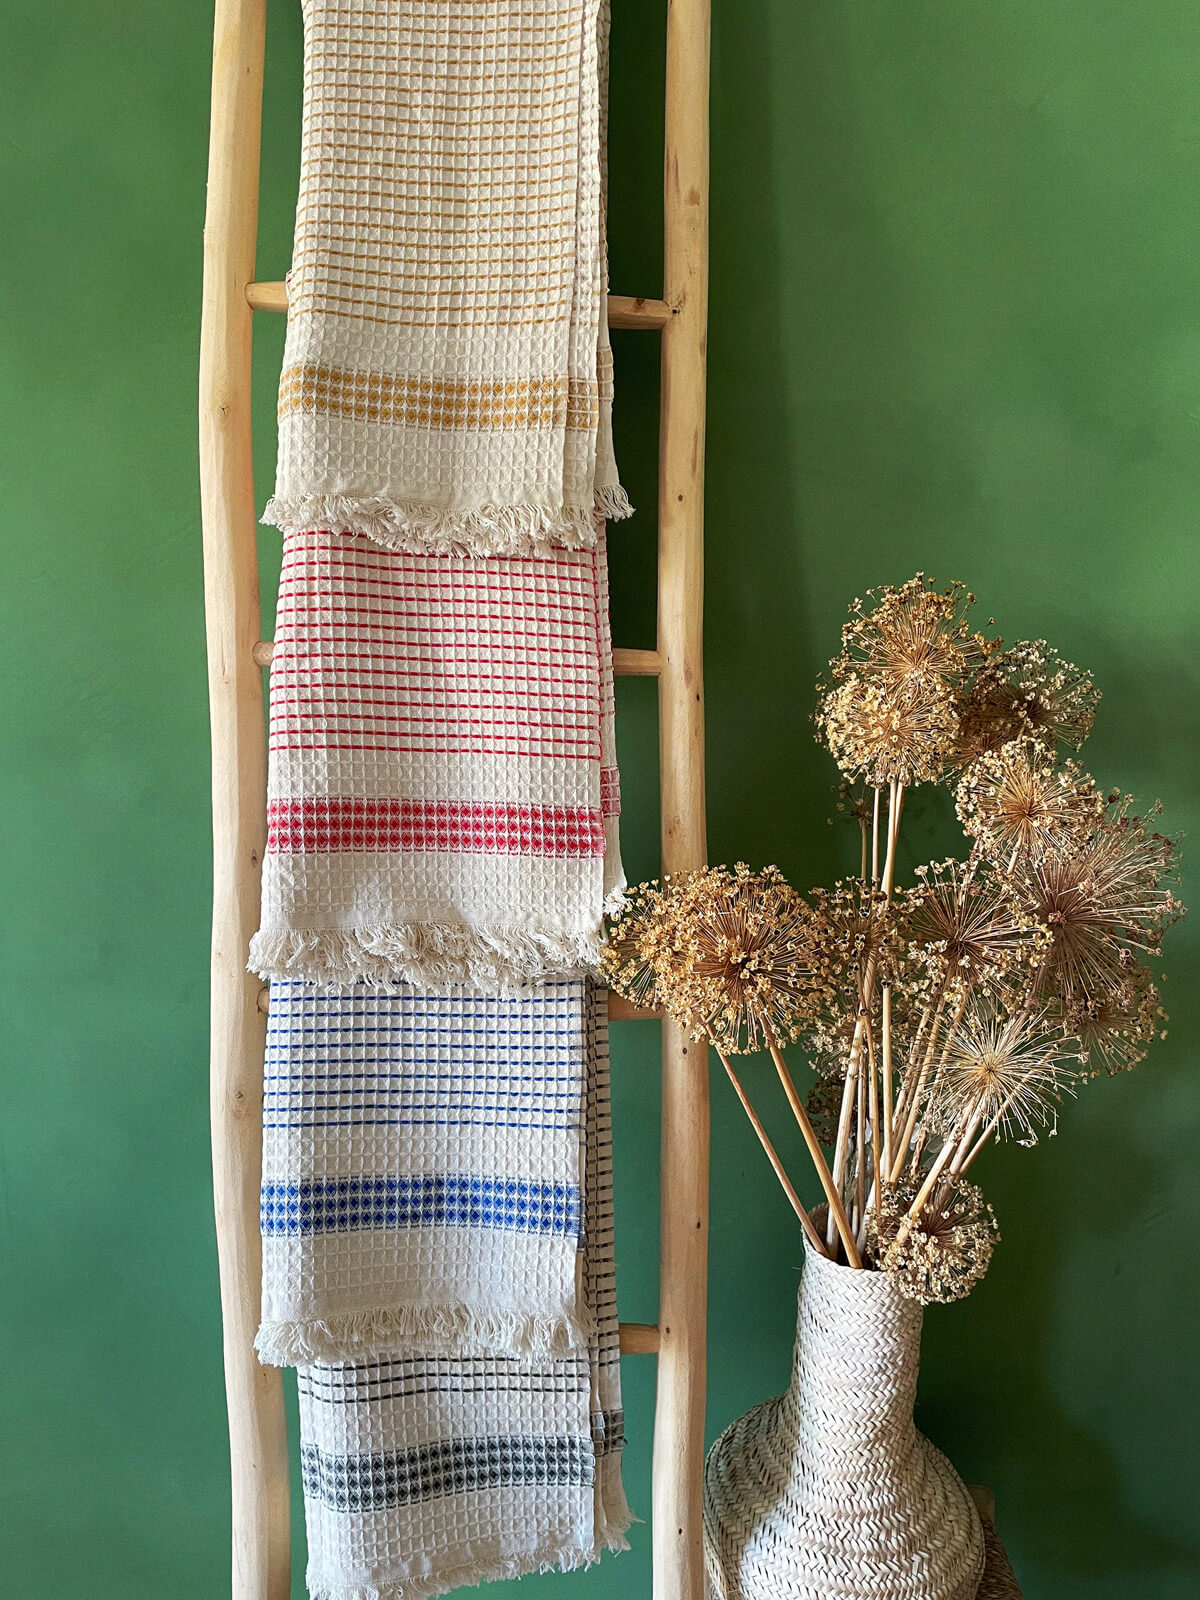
(829, 1490)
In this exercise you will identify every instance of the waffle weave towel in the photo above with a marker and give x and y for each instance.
(423, 1172)
(442, 791)
(447, 379)
(424, 1472)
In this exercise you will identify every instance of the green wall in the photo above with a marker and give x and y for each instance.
(956, 326)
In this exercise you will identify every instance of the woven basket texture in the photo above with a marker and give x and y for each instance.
(829, 1490)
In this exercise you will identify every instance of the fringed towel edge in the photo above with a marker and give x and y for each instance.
(519, 530)
(550, 1558)
(450, 1330)
(423, 953)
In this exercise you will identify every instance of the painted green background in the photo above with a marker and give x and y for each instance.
(956, 326)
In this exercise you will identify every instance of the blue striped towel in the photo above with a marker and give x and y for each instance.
(423, 1472)
(423, 1155)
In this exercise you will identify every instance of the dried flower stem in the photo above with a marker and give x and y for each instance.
(914, 1108)
(874, 1110)
(785, 1182)
(888, 1109)
(836, 1209)
(849, 1098)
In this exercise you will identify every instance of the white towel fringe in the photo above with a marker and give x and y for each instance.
(423, 953)
(457, 1331)
(550, 1558)
(434, 530)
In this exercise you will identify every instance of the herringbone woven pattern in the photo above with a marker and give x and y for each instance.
(829, 1490)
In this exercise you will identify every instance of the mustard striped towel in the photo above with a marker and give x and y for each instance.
(447, 379)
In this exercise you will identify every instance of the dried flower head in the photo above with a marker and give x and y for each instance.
(1101, 901)
(851, 928)
(879, 730)
(1015, 802)
(1006, 1072)
(1027, 692)
(944, 1253)
(965, 928)
(727, 953)
(912, 636)
(1116, 1028)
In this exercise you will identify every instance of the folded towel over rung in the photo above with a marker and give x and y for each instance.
(447, 379)
(423, 1172)
(442, 790)
(425, 1471)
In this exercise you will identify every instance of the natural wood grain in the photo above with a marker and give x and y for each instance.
(622, 1010)
(626, 663)
(683, 1182)
(259, 1448)
(624, 311)
(257, 1432)
(639, 1339)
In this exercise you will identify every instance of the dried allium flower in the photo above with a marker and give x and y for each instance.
(965, 928)
(912, 636)
(1007, 1070)
(645, 920)
(1116, 1029)
(944, 1253)
(1101, 901)
(880, 730)
(724, 952)
(1015, 802)
(1027, 692)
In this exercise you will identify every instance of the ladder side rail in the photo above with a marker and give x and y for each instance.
(678, 1460)
(254, 1394)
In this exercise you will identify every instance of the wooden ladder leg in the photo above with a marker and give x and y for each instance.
(257, 1428)
(679, 1418)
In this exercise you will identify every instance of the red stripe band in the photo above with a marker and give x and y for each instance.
(469, 827)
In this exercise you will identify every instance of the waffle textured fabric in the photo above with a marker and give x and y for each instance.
(442, 790)
(423, 1170)
(424, 1472)
(447, 378)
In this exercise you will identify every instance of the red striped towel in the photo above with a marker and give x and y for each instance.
(442, 793)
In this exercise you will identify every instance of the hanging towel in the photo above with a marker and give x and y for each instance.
(423, 1172)
(421, 1473)
(442, 788)
(447, 378)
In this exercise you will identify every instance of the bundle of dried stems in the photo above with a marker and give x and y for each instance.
(956, 1010)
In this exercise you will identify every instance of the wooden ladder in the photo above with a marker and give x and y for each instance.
(236, 655)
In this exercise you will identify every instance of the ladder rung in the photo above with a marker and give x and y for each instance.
(619, 1010)
(639, 1338)
(624, 310)
(626, 663)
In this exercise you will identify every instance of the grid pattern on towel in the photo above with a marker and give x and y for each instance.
(423, 1472)
(442, 790)
(423, 1170)
(447, 379)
